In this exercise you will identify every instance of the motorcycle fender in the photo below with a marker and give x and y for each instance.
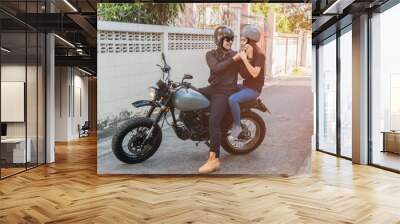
(143, 103)
(262, 107)
(267, 110)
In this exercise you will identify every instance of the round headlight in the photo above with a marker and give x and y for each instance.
(152, 92)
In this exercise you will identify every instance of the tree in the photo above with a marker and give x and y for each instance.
(299, 17)
(147, 13)
(290, 18)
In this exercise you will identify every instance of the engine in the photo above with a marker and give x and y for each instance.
(195, 124)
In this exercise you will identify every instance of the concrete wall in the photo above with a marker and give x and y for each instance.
(289, 51)
(127, 58)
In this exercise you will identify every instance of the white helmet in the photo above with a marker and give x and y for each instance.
(251, 32)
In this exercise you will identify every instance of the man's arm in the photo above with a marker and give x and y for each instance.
(216, 66)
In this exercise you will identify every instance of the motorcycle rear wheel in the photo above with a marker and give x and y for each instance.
(244, 145)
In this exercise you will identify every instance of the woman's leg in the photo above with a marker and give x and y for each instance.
(245, 94)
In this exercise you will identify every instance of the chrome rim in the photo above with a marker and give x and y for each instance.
(249, 136)
(132, 143)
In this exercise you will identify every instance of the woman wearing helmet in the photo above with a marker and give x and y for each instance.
(223, 82)
(253, 63)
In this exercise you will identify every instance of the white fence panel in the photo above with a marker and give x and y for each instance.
(127, 57)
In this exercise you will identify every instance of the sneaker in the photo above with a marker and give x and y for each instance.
(236, 131)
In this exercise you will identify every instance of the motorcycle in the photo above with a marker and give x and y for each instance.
(140, 137)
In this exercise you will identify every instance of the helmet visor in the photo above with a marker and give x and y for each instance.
(228, 39)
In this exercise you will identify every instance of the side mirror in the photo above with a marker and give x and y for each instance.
(187, 76)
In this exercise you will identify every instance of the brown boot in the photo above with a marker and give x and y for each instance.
(211, 165)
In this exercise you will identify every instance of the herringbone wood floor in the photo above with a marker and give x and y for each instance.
(70, 191)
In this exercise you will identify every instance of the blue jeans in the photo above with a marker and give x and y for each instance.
(244, 94)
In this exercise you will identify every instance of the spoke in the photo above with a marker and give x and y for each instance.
(132, 141)
(250, 129)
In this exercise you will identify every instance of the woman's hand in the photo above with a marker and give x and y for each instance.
(243, 55)
(249, 50)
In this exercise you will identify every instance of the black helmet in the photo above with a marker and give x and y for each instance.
(220, 33)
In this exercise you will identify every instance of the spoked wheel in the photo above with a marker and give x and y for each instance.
(252, 135)
(136, 141)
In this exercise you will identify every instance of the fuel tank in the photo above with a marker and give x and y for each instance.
(189, 99)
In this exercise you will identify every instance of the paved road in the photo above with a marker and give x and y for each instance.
(286, 148)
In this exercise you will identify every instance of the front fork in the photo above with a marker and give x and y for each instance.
(150, 112)
(159, 117)
(162, 113)
(164, 109)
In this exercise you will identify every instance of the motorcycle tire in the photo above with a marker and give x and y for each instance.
(125, 129)
(262, 128)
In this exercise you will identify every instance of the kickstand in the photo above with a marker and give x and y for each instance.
(206, 142)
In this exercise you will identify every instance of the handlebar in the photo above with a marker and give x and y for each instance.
(166, 68)
(184, 84)
(163, 58)
(189, 85)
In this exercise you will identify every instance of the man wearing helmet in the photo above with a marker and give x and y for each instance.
(223, 82)
(225, 64)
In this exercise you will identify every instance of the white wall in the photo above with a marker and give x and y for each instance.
(12, 73)
(126, 67)
(79, 117)
(33, 126)
(68, 82)
(61, 103)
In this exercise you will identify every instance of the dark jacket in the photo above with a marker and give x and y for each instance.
(223, 70)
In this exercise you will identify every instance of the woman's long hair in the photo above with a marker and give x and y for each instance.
(256, 49)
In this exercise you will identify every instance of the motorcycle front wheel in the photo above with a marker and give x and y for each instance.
(129, 145)
(252, 135)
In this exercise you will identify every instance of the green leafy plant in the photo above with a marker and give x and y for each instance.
(290, 18)
(146, 13)
(297, 71)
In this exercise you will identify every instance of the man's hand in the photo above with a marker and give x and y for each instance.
(236, 57)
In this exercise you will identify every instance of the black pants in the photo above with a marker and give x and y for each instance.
(219, 105)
